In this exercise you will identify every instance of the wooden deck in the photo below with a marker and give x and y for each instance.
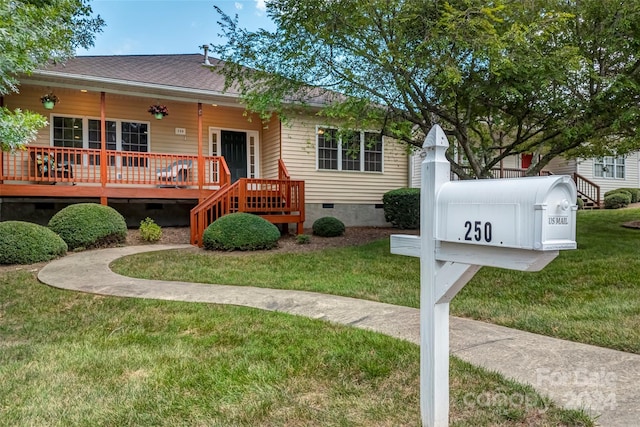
(106, 174)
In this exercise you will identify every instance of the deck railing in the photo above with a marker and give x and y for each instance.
(77, 165)
(280, 201)
(502, 172)
(283, 173)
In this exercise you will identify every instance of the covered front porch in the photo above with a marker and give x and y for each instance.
(109, 174)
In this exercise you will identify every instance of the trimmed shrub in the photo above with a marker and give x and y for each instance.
(328, 226)
(149, 230)
(26, 243)
(634, 192)
(580, 203)
(617, 190)
(617, 200)
(402, 207)
(89, 225)
(240, 231)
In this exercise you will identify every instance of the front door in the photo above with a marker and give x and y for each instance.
(526, 160)
(234, 150)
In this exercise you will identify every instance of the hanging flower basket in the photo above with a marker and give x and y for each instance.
(159, 111)
(49, 100)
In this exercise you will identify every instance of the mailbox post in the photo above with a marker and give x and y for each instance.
(517, 224)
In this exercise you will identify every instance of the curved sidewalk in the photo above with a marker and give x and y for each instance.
(605, 382)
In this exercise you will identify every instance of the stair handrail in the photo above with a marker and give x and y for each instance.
(197, 214)
(586, 188)
(283, 173)
(226, 173)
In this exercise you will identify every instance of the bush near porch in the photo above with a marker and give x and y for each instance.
(27, 243)
(242, 232)
(402, 208)
(89, 225)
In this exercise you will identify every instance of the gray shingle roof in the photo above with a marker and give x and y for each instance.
(174, 71)
(182, 75)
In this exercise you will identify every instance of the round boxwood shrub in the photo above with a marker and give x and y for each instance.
(89, 225)
(402, 207)
(26, 243)
(617, 190)
(634, 193)
(617, 200)
(240, 231)
(328, 226)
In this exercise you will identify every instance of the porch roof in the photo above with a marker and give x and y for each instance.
(182, 76)
(179, 76)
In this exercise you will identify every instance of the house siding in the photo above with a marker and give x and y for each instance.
(562, 166)
(321, 186)
(226, 118)
(585, 168)
(270, 153)
(355, 198)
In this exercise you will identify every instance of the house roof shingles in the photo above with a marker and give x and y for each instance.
(185, 72)
(182, 75)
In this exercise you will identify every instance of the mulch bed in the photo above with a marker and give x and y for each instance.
(288, 243)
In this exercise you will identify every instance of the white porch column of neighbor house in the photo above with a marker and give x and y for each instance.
(517, 224)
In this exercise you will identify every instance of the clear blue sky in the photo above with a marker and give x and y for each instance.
(168, 26)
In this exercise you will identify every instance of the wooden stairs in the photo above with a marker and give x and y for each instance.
(588, 191)
(280, 201)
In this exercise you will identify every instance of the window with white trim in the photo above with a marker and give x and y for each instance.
(84, 132)
(95, 139)
(67, 132)
(609, 167)
(349, 151)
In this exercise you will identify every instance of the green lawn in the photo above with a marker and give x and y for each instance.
(588, 295)
(68, 358)
(76, 359)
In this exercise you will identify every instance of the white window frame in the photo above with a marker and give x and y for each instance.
(608, 167)
(85, 133)
(363, 150)
(85, 129)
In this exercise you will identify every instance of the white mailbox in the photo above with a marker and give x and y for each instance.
(519, 224)
(537, 213)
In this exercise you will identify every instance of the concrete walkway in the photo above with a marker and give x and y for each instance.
(605, 382)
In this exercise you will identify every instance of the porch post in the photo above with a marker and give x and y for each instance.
(200, 154)
(103, 148)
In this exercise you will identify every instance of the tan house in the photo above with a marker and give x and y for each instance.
(207, 157)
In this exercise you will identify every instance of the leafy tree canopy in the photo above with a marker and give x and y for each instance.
(546, 77)
(32, 33)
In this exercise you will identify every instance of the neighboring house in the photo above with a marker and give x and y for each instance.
(601, 174)
(191, 158)
(511, 167)
(593, 177)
